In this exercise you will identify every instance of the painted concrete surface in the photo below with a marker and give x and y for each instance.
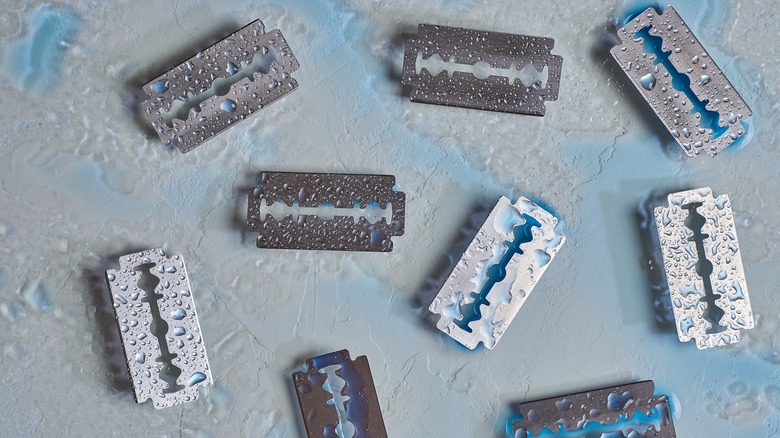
(83, 180)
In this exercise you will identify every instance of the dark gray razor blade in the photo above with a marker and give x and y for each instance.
(681, 82)
(251, 67)
(159, 328)
(633, 410)
(509, 67)
(288, 211)
(336, 393)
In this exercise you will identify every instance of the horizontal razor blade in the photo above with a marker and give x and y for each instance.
(159, 328)
(343, 193)
(681, 82)
(507, 56)
(497, 273)
(703, 266)
(337, 395)
(256, 67)
(633, 409)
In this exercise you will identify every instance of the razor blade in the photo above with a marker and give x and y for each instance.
(159, 328)
(703, 267)
(220, 86)
(483, 70)
(632, 410)
(497, 273)
(681, 82)
(337, 397)
(288, 211)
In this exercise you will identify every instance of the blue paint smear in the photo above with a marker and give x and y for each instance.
(35, 60)
(497, 272)
(357, 406)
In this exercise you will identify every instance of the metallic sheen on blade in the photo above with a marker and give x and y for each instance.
(213, 67)
(667, 97)
(497, 273)
(608, 407)
(703, 266)
(503, 51)
(160, 331)
(345, 192)
(358, 413)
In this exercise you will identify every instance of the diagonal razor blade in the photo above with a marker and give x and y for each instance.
(681, 82)
(497, 273)
(220, 86)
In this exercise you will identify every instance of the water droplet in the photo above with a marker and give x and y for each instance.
(178, 314)
(196, 378)
(231, 68)
(228, 106)
(140, 357)
(647, 81)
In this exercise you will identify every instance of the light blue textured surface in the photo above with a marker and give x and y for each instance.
(83, 181)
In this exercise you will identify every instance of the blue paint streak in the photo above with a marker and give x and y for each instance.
(681, 82)
(357, 406)
(497, 273)
(35, 60)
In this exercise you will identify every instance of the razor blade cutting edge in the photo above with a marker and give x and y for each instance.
(497, 273)
(159, 328)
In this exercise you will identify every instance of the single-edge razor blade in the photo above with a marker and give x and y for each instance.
(255, 65)
(633, 410)
(333, 380)
(681, 82)
(159, 328)
(497, 273)
(306, 197)
(513, 68)
(703, 266)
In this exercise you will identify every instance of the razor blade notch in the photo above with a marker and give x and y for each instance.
(501, 51)
(681, 82)
(159, 328)
(703, 266)
(632, 409)
(337, 394)
(497, 273)
(342, 191)
(214, 67)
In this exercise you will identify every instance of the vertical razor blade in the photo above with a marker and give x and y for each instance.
(344, 193)
(703, 266)
(240, 56)
(633, 409)
(159, 328)
(337, 396)
(506, 56)
(681, 82)
(497, 273)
